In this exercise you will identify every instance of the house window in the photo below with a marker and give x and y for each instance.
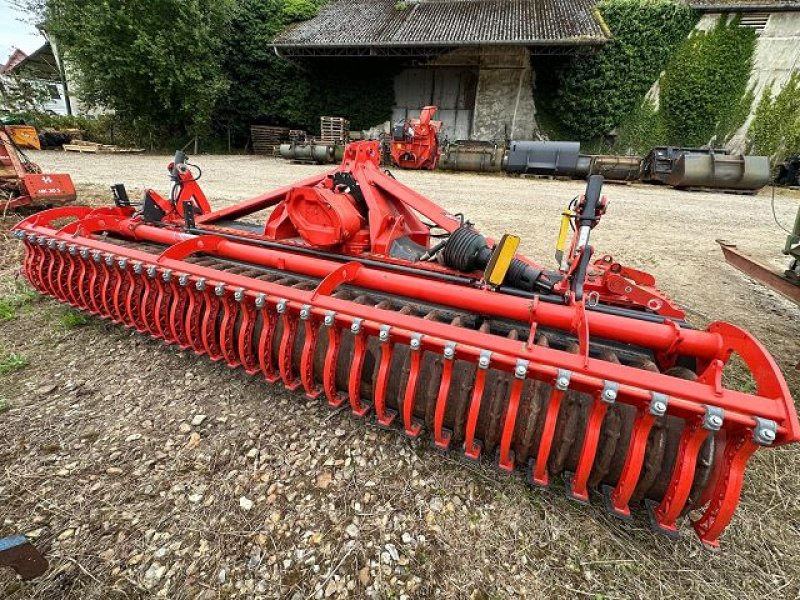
(55, 94)
(757, 21)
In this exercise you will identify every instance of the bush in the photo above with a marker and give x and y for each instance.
(643, 130)
(775, 131)
(704, 89)
(300, 10)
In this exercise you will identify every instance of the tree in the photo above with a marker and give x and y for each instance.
(19, 95)
(157, 63)
(266, 87)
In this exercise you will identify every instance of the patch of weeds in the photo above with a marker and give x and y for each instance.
(4, 405)
(12, 302)
(737, 376)
(71, 318)
(12, 362)
(7, 310)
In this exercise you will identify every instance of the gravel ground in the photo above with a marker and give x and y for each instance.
(146, 472)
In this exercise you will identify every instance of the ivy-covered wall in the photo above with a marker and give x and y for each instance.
(703, 92)
(704, 89)
(703, 86)
(592, 94)
(775, 130)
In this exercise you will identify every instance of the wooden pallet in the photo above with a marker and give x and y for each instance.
(266, 138)
(82, 147)
(334, 130)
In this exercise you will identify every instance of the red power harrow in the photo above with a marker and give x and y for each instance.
(360, 291)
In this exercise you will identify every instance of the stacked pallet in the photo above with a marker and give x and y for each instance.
(82, 146)
(334, 130)
(267, 138)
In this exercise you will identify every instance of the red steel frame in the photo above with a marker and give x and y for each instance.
(32, 187)
(145, 291)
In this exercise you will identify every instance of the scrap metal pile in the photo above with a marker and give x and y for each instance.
(359, 291)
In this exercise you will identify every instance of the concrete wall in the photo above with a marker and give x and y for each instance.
(504, 106)
(777, 56)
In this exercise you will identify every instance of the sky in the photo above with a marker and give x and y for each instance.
(14, 33)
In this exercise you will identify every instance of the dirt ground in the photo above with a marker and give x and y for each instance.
(145, 472)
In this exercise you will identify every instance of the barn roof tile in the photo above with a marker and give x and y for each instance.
(383, 23)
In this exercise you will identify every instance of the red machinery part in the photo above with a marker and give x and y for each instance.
(415, 142)
(48, 189)
(627, 405)
(23, 185)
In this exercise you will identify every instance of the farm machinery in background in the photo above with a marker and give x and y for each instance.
(786, 283)
(685, 168)
(359, 292)
(418, 144)
(415, 142)
(22, 183)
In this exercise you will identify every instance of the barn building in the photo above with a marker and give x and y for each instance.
(474, 59)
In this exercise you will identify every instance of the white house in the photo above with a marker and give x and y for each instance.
(40, 68)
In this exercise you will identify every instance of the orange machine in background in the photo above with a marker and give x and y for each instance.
(22, 182)
(24, 136)
(415, 142)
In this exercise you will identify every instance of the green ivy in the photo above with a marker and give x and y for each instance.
(642, 131)
(704, 92)
(775, 131)
(273, 90)
(597, 91)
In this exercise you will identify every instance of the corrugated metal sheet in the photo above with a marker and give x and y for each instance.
(347, 23)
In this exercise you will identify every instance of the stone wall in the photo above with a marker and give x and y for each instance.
(504, 106)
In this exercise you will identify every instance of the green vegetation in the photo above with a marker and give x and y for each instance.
(4, 405)
(643, 130)
(11, 303)
(704, 89)
(71, 318)
(11, 362)
(596, 92)
(704, 97)
(775, 131)
(172, 69)
(274, 90)
(157, 64)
